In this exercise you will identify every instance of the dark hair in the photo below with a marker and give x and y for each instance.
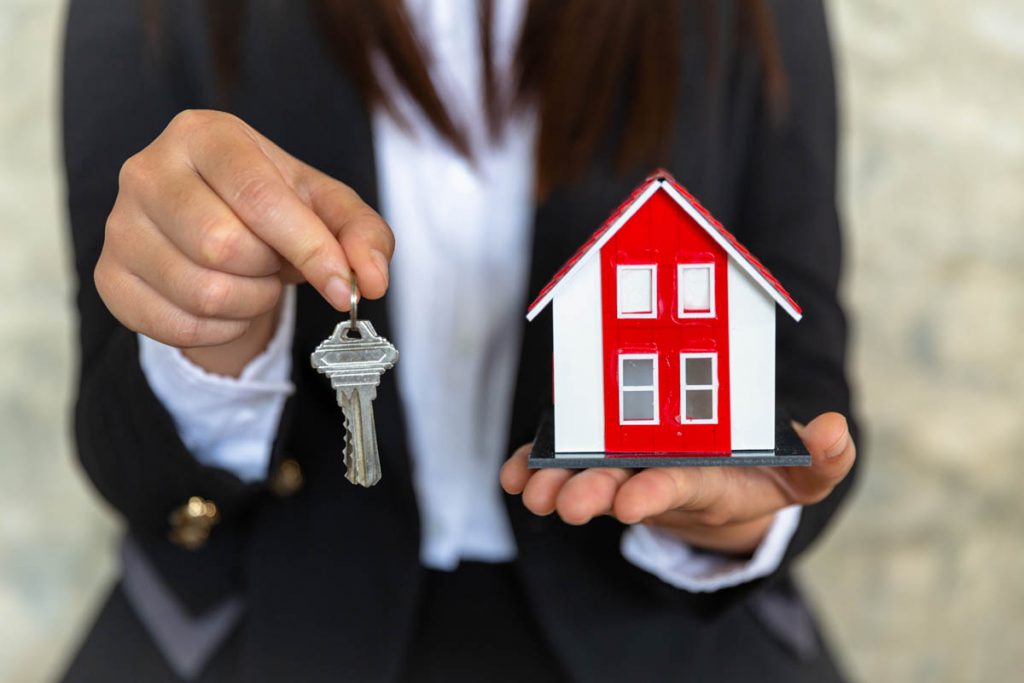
(575, 60)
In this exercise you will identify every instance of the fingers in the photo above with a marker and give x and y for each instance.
(589, 494)
(199, 291)
(540, 495)
(578, 497)
(141, 309)
(833, 452)
(319, 226)
(516, 472)
(366, 239)
(230, 158)
(654, 491)
(199, 224)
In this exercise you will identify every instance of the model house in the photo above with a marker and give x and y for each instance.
(664, 335)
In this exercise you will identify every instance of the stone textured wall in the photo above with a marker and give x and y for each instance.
(920, 580)
(923, 579)
(56, 537)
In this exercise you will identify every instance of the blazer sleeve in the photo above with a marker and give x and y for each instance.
(117, 97)
(788, 216)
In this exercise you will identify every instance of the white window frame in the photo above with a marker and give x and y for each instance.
(680, 269)
(653, 270)
(653, 357)
(683, 386)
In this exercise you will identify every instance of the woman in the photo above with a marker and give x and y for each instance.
(493, 137)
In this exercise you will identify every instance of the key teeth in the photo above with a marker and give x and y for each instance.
(350, 468)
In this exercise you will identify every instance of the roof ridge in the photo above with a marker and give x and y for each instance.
(662, 177)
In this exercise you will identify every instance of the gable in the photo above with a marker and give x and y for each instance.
(644, 263)
(662, 181)
(660, 230)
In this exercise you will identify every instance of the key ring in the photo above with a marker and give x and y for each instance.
(353, 300)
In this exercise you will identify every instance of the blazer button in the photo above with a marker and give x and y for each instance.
(287, 480)
(191, 523)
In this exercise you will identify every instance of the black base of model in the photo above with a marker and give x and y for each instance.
(789, 452)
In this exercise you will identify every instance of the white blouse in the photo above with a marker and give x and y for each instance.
(458, 281)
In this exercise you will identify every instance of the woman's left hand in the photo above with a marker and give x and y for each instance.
(725, 509)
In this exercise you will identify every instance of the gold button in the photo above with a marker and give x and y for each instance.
(287, 480)
(191, 523)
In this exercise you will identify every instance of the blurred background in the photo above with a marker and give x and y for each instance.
(922, 579)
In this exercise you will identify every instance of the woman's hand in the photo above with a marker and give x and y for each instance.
(211, 219)
(726, 509)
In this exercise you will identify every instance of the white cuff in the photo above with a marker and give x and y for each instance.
(226, 422)
(678, 564)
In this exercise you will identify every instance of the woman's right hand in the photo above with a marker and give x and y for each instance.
(211, 219)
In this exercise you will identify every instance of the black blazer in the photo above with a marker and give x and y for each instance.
(330, 576)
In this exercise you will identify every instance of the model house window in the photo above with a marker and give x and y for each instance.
(636, 294)
(696, 290)
(638, 389)
(699, 387)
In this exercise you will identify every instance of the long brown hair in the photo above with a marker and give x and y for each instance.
(577, 61)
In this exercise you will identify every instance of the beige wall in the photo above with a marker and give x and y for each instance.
(56, 539)
(921, 580)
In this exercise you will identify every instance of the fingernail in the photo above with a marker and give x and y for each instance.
(338, 293)
(381, 261)
(838, 447)
(797, 427)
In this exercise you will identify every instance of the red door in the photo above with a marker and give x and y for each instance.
(665, 327)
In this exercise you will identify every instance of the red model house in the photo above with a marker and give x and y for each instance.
(664, 335)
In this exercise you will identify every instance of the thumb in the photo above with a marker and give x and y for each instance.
(833, 452)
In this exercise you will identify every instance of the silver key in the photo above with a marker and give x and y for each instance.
(355, 357)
